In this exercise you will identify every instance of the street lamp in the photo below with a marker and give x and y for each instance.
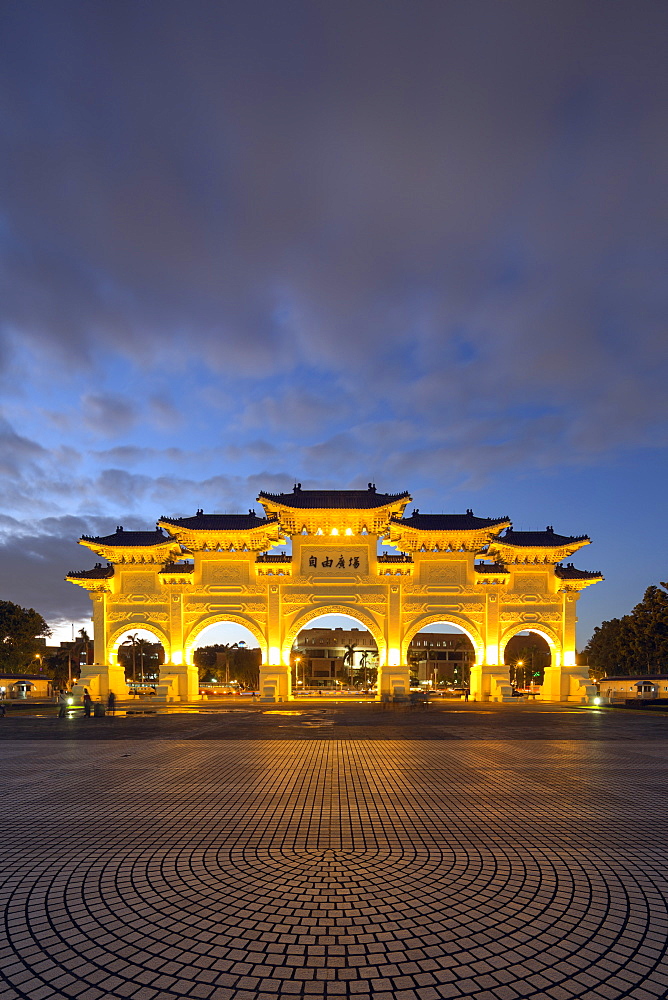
(519, 663)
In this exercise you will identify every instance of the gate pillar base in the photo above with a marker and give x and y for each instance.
(394, 683)
(490, 682)
(569, 684)
(275, 683)
(99, 679)
(179, 682)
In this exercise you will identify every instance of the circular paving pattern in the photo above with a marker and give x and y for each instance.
(191, 911)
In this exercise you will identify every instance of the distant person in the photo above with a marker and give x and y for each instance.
(87, 703)
(111, 702)
(466, 694)
(62, 704)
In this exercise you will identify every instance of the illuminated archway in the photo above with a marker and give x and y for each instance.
(220, 619)
(334, 609)
(550, 638)
(463, 624)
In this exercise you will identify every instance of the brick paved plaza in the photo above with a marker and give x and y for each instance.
(493, 852)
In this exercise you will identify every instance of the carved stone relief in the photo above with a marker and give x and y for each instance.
(445, 573)
(222, 574)
(142, 582)
(138, 615)
(535, 583)
(528, 616)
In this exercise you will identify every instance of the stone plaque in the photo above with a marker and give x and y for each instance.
(333, 562)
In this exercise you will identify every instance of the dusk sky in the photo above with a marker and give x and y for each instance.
(421, 244)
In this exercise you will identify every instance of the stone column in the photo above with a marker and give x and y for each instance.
(489, 680)
(575, 683)
(565, 681)
(104, 675)
(275, 676)
(100, 627)
(394, 676)
(179, 680)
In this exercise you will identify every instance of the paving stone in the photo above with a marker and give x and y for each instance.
(373, 861)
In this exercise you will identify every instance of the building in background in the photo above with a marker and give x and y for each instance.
(329, 658)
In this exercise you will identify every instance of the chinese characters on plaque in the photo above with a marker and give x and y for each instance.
(333, 562)
(328, 562)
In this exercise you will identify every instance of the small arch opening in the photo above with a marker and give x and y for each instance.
(227, 657)
(141, 654)
(527, 655)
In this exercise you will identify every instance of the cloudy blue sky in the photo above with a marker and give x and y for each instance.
(419, 243)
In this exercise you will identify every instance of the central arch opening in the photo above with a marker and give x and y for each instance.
(334, 654)
(440, 657)
(228, 658)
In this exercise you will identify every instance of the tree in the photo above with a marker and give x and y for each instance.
(80, 647)
(151, 657)
(349, 659)
(224, 656)
(132, 641)
(59, 665)
(244, 662)
(607, 650)
(19, 630)
(364, 659)
(637, 643)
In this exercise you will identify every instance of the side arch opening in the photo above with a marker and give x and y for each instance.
(141, 650)
(227, 652)
(527, 653)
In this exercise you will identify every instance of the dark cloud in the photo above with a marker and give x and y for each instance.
(16, 451)
(478, 182)
(247, 244)
(108, 415)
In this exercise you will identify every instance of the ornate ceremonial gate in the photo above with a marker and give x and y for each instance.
(473, 572)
